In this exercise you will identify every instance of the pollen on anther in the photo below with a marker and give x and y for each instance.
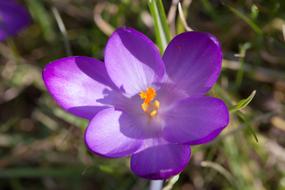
(153, 113)
(156, 104)
(144, 107)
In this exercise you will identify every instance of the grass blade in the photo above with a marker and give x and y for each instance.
(246, 19)
(242, 51)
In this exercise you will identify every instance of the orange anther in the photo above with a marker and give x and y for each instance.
(147, 106)
(148, 95)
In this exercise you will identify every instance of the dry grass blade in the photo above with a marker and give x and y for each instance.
(220, 169)
(182, 17)
(171, 183)
(101, 23)
(62, 29)
(171, 16)
(283, 31)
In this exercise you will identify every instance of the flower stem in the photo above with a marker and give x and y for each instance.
(156, 185)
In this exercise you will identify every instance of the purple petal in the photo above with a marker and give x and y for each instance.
(103, 136)
(137, 124)
(80, 85)
(193, 61)
(133, 61)
(161, 161)
(13, 18)
(195, 120)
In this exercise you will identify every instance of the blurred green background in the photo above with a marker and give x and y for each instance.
(42, 147)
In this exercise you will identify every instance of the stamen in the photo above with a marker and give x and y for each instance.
(144, 107)
(153, 113)
(149, 107)
(148, 95)
(156, 104)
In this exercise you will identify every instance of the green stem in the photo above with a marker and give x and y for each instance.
(162, 31)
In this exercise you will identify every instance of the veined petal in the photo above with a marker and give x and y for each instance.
(133, 61)
(160, 161)
(13, 18)
(193, 61)
(103, 135)
(80, 85)
(195, 120)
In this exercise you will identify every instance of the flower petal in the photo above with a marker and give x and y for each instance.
(161, 161)
(139, 126)
(193, 61)
(195, 120)
(103, 136)
(133, 61)
(13, 18)
(80, 85)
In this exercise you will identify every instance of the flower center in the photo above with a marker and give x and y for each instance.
(149, 105)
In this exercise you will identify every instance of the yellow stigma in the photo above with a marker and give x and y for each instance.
(149, 106)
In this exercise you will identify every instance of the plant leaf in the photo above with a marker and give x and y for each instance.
(249, 129)
(243, 103)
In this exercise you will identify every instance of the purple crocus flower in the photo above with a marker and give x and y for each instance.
(13, 18)
(142, 105)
